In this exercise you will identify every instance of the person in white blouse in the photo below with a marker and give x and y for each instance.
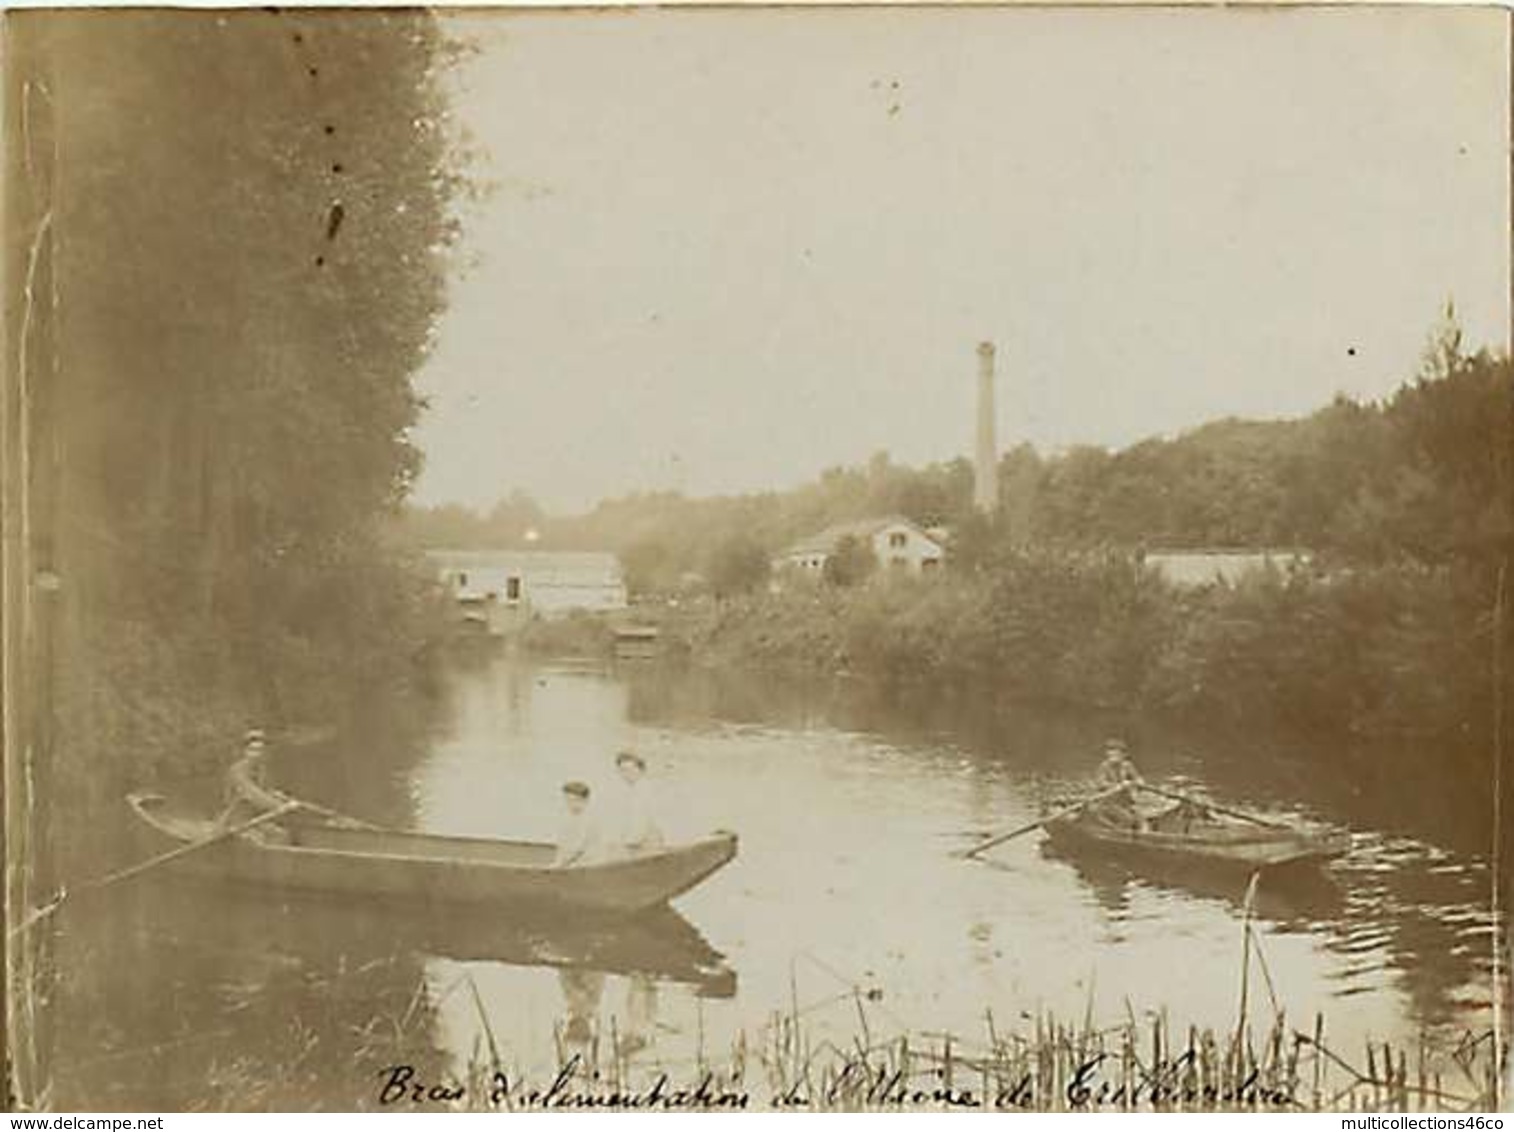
(638, 832)
(577, 835)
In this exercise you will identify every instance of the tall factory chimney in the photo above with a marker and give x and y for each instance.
(986, 464)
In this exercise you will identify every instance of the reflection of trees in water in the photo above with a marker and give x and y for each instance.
(917, 717)
(1293, 900)
(1433, 949)
(244, 999)
(1439, 951)
(230, 1003)
(1439, 794)
(1427, 926)
(694, 698)
(363, 767)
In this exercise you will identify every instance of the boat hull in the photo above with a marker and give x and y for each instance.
(1261, 849)
(418, 869)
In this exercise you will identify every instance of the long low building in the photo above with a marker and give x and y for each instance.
(1221, 566)
(498, 586)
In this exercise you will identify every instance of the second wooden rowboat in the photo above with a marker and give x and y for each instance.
(1214, 842)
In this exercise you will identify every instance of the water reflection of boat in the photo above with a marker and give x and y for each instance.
(327, 856)
(1288, 897)
(658, 944)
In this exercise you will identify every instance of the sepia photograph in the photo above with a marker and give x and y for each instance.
(912, 558)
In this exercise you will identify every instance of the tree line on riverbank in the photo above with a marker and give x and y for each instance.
(235, 251)
(1391, 629)
(1387, 650)
(1418, 477)
(1405, 507)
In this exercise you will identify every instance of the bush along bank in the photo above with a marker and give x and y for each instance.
(1377, 650)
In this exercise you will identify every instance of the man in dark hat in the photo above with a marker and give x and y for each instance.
(577, 837)
(638, 832)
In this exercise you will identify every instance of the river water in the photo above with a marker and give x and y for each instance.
(844, 903)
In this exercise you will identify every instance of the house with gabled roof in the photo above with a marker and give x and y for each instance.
(897, 543)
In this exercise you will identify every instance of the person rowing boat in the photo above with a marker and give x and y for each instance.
(1118, 773)
(1118, 780)
(1117, 769)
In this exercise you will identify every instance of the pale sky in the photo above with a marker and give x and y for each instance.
(729, 249)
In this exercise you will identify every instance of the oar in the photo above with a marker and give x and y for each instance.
(336, 816)
(1000, 839)
(185, 850)
(1176, 797)
(152, 862)
(241, 771)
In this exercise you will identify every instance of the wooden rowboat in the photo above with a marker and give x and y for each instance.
(418, 868)
(1213, 841)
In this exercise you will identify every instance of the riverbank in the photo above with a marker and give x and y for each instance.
(1388, 651)
(1052, 1065)
(148, 703)
(312, 1002)
(1057, 1065)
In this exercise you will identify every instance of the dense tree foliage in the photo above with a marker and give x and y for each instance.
(1407, 504)
(737, 566)
(1392, 650)
(250, 217)
(1393, 630)
(663, 537)
(851, 562)
(1420, 477)
(226, 242)
(1416, 477)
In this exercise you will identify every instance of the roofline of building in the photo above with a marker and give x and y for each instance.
(818, 544)
(1269, 550)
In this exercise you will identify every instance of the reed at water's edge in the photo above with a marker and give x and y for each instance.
(1051, 1065)
(1044, 1063)
(845, 1049)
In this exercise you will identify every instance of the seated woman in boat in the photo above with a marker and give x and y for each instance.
(638, 832)
(577, 835)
